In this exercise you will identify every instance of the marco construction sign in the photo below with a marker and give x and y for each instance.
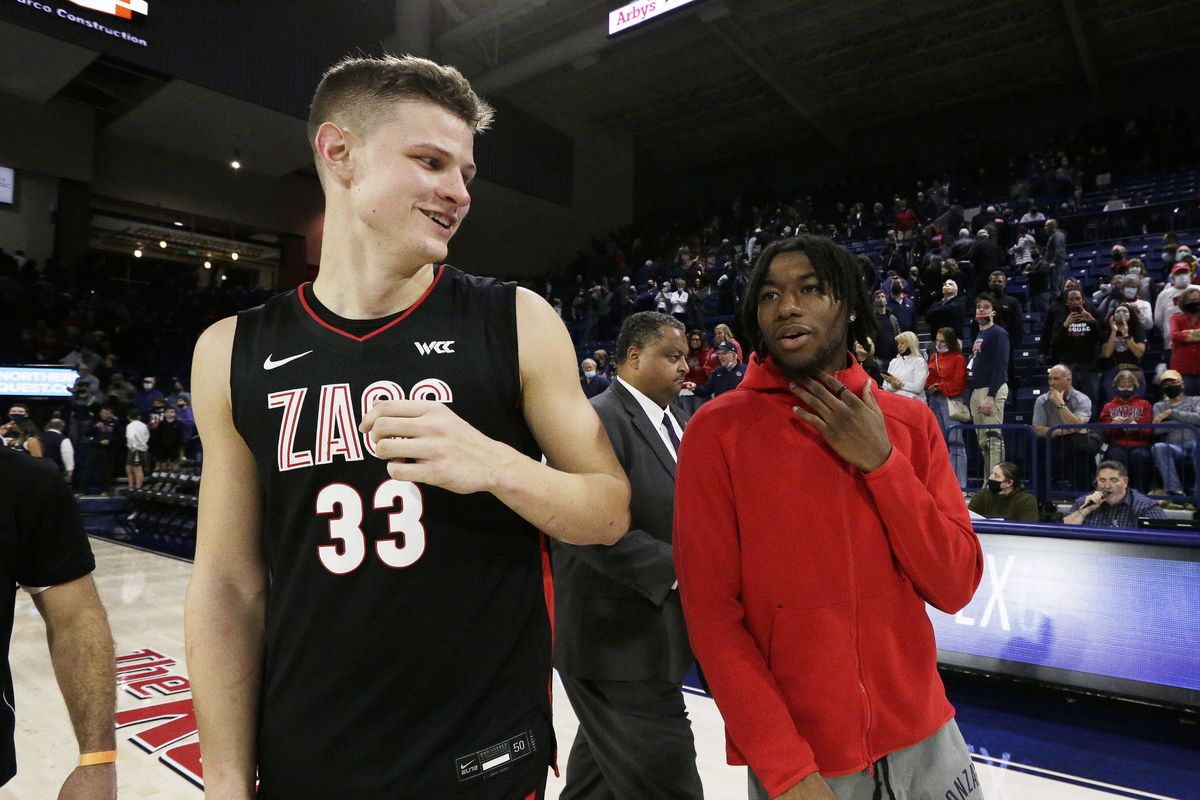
(117, 9)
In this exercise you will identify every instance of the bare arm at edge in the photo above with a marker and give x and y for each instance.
(224, 615)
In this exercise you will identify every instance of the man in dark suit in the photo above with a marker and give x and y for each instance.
(621, 648)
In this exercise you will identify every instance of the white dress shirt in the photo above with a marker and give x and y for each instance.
(654, 412)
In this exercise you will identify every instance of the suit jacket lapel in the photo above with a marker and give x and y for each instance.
(643, 426)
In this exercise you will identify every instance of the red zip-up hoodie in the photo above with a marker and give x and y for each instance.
(804, 580)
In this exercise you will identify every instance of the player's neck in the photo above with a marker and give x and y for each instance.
(359, 281)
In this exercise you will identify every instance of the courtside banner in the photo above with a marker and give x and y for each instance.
(1117, 617)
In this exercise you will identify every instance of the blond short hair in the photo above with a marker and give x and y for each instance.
(910, 339)
(355, 91)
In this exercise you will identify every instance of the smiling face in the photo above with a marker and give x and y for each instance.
(803, 326)
(406, 178)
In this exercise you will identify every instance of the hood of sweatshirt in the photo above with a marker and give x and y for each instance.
(764, 375)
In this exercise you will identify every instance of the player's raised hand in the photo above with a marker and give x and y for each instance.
(423, 441)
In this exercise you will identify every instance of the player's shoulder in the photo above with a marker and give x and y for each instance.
(217, 338)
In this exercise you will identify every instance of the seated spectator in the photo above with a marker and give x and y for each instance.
(592, 382)
(1174, 445)
(722, 333)
(1123, 348)
(1185, 340)
(1130, 446)
(725, 377)
(603, 365)
(906, 373)
(1113, 504)
(950, 311)
(1005, 496)
(866, 356)
(947, 380)
(697, 358)
(1073, 449)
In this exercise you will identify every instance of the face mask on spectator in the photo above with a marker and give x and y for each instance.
(1130, 292)
(993, 486)
(1172, 390)
(1125, 394)
(587, 373)
(1181, 280)
(1192, 307)
(1135, 272)
(16, 416)
(941, 348)
(880, 301)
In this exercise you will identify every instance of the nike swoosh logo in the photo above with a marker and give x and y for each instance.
(272, 364)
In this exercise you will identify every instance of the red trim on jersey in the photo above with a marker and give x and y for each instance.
(548, 589)
(437, 277)
(533, 794)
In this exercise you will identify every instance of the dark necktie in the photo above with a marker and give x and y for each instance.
(671, 433)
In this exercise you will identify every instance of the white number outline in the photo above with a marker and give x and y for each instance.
(400, 552)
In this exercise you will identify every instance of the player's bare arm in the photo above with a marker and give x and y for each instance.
(81, 650)
(226, 599)
(581, 496)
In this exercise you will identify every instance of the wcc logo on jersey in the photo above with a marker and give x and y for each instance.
(125, 9)
(427, 348)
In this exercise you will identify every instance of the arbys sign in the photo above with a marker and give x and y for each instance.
(638, 12)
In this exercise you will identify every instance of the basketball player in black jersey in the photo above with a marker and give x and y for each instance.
(366, 616)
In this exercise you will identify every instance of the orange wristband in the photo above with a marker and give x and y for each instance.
(100, 757)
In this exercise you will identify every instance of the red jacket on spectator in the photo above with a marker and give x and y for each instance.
(698, 369)
(948, 372)
(1136, 411)
(906, 220)
(1185, 355)
(804, 580)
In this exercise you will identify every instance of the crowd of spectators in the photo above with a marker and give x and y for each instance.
(940, 257)
(118, 336)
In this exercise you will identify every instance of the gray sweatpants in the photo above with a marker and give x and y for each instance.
(938, 768)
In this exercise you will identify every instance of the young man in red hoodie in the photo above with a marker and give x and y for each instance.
(813, 522)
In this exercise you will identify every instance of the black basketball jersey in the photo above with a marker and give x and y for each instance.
(407, 631)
